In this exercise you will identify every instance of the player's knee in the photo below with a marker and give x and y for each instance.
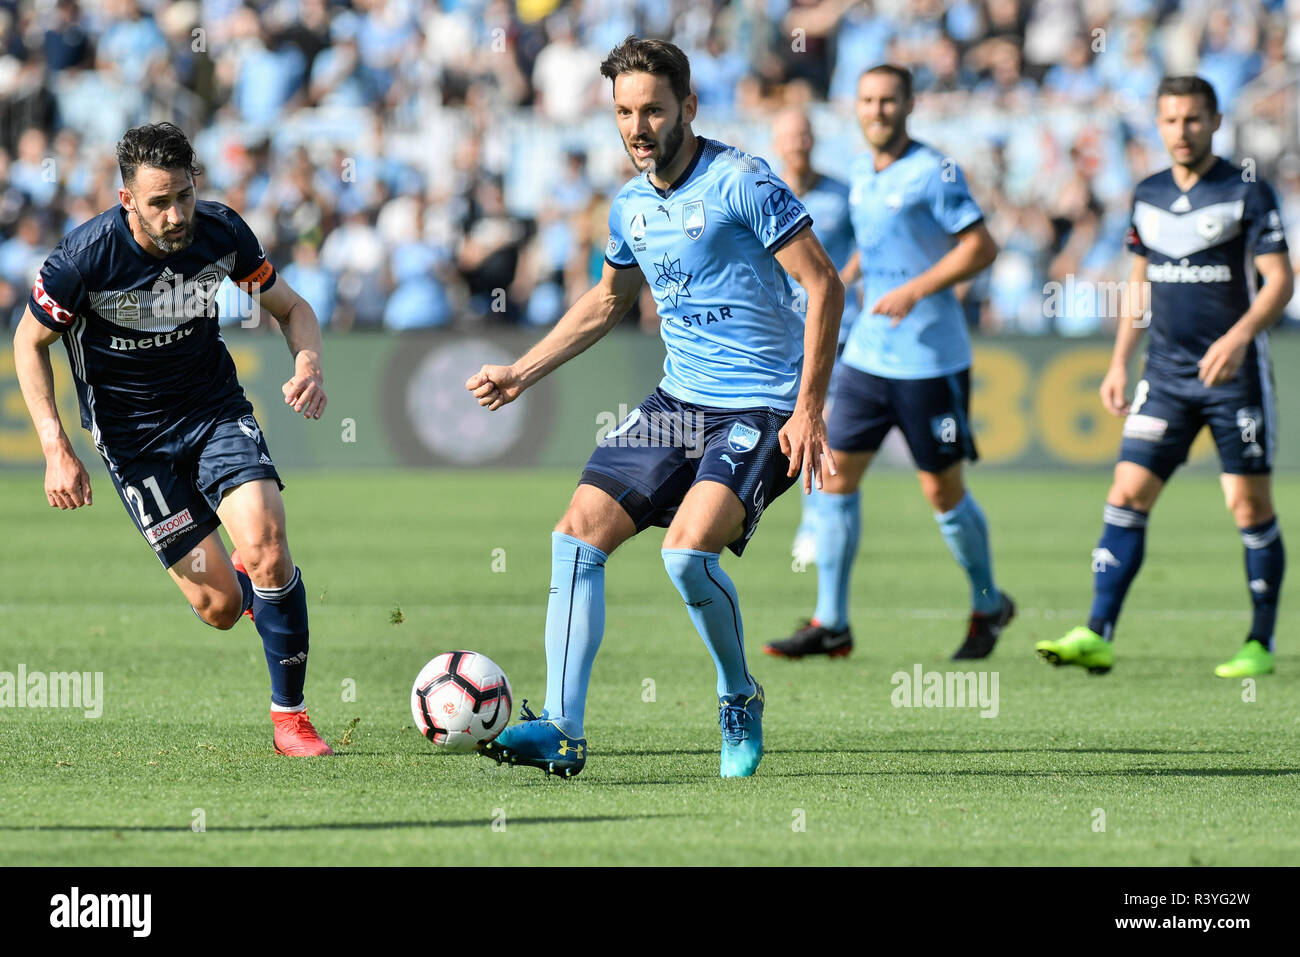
(269, 563)
(1249, 508)
(840, 484)
(587, 528)
(219, 609)
(943, 492)
(1126, 497)
(943, 499)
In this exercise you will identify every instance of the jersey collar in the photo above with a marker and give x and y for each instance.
(685, 174)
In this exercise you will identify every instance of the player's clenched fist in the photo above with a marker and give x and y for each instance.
(67, 484)
(494, 386)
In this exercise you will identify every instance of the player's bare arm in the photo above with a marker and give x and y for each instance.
(588, 319)
(305, 391)
(974, 251)
(1114, 387)
(803, 438)
(67, 484)
(1225, 355)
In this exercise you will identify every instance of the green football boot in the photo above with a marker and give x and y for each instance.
(1253, 659)
(1081, 646)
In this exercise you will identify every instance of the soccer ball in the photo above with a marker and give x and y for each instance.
(459, 699)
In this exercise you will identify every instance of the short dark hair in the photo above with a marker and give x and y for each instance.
(656, 57)
(160, 145)
(901, 74)
(1188, 86)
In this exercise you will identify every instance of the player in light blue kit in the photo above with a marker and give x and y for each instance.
(737, 416)
(827, 201)
(906, 364)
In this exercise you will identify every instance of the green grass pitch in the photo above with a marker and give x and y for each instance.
(1158, 762)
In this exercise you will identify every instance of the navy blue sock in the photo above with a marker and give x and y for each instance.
(1115, 563)
(1265, 566)
(245, 586)
(280, 615)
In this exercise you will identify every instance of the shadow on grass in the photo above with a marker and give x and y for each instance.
(337, 826)
(771, 751)
(1142, 772)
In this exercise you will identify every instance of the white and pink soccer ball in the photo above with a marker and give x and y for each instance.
(460, 699)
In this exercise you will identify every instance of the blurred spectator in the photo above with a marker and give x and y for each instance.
(410, 163)
(311, 281)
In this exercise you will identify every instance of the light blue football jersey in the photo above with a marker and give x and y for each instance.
(904, 221)
(827, 201)
(732, 335)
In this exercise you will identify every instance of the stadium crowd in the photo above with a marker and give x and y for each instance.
(414, 163)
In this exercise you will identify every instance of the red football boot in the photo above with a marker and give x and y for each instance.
(295, 736)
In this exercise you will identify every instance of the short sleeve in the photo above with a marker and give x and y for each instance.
(760, 200)
(252, 271)
(617, 252)
(58, 294)
(951, 203)
(1132, 239)
(1264, 232)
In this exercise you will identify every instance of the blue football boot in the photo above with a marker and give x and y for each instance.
(741, 718)
(539, 743)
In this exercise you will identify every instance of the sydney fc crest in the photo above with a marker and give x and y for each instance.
(693, 219)
(742, 438)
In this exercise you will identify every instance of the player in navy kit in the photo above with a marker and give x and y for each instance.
(132, 294)
(736, 417)
(1203, 233)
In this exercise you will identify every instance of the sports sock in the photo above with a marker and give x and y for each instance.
(280, 615)
(575, 624)
(809, 514)
(714, 608)
(1115, 563)
(1265, 566)
(966, 531)
(839, 526)
(246, 588)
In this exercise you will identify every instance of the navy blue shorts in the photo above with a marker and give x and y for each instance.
(933, 415)
(173, 488)
(653, 457)
(1168, 413)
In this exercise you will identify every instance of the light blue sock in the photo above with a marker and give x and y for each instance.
(575, 623)
(967, 533)
(810, 513)
(839, 525)
(714, 608)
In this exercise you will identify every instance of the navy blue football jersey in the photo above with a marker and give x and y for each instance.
(141, 332)
(1200, 248)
